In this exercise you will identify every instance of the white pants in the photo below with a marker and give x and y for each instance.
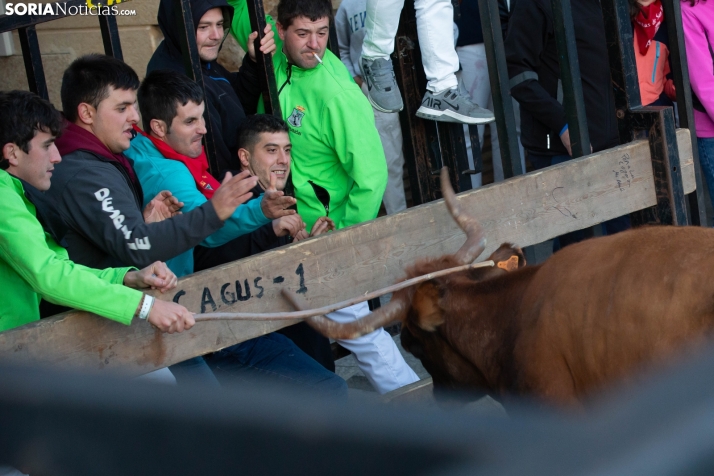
(376, 353)
(474, 77)
(390, 133)
(434, 23)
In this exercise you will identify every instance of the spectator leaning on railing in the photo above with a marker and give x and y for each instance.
(33, 265)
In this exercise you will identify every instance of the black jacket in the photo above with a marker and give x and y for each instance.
(103, 210)
(230, 96)
(532, 57)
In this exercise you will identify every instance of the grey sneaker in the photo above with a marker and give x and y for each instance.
(382, 89)
(451, 106)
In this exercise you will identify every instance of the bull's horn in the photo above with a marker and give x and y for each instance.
(395, 310)
(475, 239)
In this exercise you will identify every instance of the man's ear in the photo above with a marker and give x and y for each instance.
(86, 113)
(10, 152)
(244, 157)
(158, 127)
(281, 30)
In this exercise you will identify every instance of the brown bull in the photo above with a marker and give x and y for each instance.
(594, 313)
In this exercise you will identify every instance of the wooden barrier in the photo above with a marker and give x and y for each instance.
(525, 210)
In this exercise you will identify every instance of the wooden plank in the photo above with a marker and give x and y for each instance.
(525, 210)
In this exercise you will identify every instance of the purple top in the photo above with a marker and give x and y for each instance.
(698, 22)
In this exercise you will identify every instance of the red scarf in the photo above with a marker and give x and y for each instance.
(198, 167)
(647, 22)
(75, 138)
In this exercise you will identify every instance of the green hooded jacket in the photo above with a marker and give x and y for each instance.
(338, 164)
(33, 266)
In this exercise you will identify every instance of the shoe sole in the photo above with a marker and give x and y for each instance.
(451, 116)
(380, 108)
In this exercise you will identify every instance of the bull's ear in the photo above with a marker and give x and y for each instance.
(508, 257)
(426, 306)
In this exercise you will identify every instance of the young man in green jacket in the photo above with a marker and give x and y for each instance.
(338, 164)
(33, 266)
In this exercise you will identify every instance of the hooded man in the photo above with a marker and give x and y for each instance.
(229, 96)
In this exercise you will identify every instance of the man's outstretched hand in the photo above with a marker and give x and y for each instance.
(274, 203)
(162, 206)
(322, 225)
(233, 192)
(289, 225)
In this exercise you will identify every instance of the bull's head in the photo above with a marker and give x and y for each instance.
(419, 308)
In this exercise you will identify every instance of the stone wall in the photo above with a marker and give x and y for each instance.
(62, 41)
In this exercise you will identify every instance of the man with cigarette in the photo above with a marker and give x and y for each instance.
(338, 164)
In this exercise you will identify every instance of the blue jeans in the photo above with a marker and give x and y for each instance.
(610, 227)
(706, 159)
(277, 358)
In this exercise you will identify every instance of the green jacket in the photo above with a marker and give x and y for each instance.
(336, 146)
(33, 266)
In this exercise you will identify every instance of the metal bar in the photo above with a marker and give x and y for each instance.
(475, 149)
(410, 77)
(623, 66)
(502, 99)
(671, 206)
(15, 22)
(500, 90)
(268, 84)
(332, 42)
(33, 61)
(110, 36)
(680, 68)
(459, 156)
(192, 64)
(570, 75)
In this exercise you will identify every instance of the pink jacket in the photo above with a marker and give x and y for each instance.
(698, 22)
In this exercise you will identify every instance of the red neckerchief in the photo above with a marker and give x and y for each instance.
(75, 138)
(647, 23)
(198, 167)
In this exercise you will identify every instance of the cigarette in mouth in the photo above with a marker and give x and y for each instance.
(317, 57)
